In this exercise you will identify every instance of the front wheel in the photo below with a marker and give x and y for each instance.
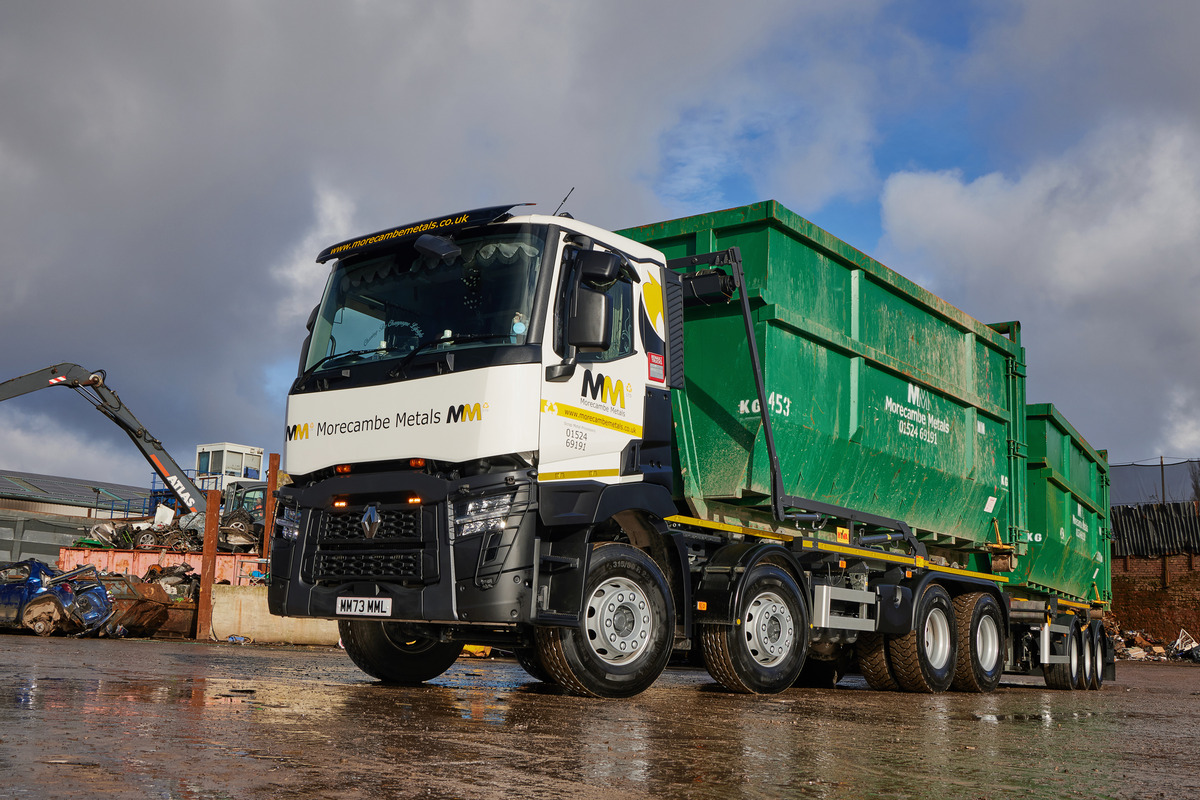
(384, 651)
(531, 661)
(624, 638)
(763, 651)
(923, 659)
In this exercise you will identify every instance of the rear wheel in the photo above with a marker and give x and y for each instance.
(624, 638)
(384, 651)
(923, 659)
(980, 643)
(1086, 661)
(763, 652)
(1098, 642)
(1066, 675)
(873, 662)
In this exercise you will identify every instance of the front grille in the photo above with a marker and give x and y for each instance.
(394, 524)
(404, 566)
(401, 551)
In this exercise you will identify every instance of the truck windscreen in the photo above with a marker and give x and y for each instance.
(389, 307)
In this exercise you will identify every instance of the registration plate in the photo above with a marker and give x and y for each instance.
(364, 606)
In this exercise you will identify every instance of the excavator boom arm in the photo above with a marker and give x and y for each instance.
(93, 387)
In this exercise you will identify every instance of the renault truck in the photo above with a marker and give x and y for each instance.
(730, 436)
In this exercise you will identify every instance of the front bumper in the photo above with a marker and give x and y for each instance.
(444, 551)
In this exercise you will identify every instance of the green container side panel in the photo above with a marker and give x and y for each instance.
(883, 398)
(1069, 539)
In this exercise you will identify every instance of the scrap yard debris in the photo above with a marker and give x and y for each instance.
(1133, 645)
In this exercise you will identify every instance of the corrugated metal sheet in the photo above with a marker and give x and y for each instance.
(1156, 529)
(65, 491)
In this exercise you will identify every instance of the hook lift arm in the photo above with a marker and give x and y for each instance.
(91, 385)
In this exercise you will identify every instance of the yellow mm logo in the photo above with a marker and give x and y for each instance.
(297, 432)
(604, 387)
(468, 413)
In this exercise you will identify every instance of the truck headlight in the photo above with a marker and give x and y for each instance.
(482, 514)
(287, 521)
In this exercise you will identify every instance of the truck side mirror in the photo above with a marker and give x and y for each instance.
(312, 320)
(598, 267)
(589, 326)
(589, 311)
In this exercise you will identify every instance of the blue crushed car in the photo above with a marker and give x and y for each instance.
(38, 597)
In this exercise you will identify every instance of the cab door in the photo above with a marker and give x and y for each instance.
(592, 421)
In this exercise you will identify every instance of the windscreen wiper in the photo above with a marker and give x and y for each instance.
(398, 370)
(308, 372)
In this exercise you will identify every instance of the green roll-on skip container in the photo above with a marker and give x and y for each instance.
(1069, 537)
(883, 398)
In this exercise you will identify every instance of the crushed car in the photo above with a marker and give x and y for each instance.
(45, 600)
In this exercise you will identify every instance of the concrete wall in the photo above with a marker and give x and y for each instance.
(242, 611)
(1157, 594)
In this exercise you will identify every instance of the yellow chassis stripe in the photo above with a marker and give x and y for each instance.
(722, 526)
(830, 547)
(968, 573)
(578, 474)
(592, 418)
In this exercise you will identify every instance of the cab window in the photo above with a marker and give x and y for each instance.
(621, 295)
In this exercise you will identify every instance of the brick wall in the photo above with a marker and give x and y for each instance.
(1157, 594)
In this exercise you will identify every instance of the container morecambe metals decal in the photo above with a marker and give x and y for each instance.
(915, 416)
(455, 417)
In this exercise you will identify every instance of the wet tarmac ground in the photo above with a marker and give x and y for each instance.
(149, 719)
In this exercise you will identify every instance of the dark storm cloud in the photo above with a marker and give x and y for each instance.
(163, 168)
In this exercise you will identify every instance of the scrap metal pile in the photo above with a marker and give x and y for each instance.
(45, 600)
(1135, 645)
(37, 597)
(237, 533)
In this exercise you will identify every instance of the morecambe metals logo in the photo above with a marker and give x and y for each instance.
(454, 413)
(603, 388)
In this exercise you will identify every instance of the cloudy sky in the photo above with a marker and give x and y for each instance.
(169, 171)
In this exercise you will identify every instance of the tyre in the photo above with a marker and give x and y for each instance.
(384, 651)
(873, 662)
(1098, 641)
(239, 520)
(531, 662)
(923, 659)
(1066, 676)
(146, 540)
(980, 639)
(1086, 663)
(763, 652)
(625, 633)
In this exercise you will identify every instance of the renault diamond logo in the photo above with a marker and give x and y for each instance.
(370, 522)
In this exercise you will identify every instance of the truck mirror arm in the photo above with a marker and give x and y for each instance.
(732, 258)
